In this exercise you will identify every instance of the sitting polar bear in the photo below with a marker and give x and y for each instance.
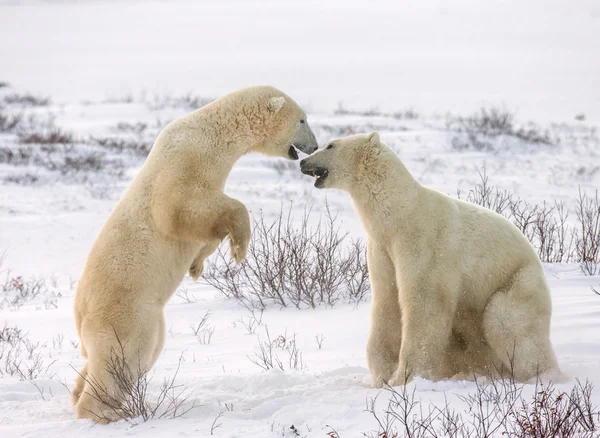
(171, 218)
(457, 289)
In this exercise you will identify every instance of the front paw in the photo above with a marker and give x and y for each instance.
(196, 270)
(379, 381)
(402, 376)
(239, 250)
(240, 237)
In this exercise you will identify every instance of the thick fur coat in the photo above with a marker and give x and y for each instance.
(457, 289)
(170, 219)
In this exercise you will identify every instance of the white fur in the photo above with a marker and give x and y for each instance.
(171, 218)
(457, 289)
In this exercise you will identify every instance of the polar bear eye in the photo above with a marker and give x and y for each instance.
(301, 120)
(330, 146)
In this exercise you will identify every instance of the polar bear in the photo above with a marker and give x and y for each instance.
(457, 289)
(173, 215)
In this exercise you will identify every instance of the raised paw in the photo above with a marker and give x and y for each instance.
(238, 251)
(239, 235)
(196, 269)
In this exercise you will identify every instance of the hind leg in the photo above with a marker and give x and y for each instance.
(79, 384)
(516, 324)
(116, 359)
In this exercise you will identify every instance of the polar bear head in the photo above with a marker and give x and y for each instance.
(343, 162)
(285, 126)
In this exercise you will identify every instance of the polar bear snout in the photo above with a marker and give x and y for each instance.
(321, 173)
(306, 148)
(304, 139)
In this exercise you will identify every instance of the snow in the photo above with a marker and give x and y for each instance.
(540, 58)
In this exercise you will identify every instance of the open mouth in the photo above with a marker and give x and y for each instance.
(319, 173)
(292, 153)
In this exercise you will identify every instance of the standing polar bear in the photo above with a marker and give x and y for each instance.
(171, 218)
(457, 289)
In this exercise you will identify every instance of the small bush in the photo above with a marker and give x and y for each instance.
(135, 128)
(289, 266)
(9, 122)
(54, 136)
(19, 291)
(131, 401)
(188, 102)
(283, 167)
(496, 408)
(546, 226)
(266, 356)
(26, 100)
(118, 144)
(588, 242)
(477, 131)
(19, 357)
(23, 179)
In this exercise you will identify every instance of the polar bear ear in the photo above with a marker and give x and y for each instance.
(275, 104)
(374, 137)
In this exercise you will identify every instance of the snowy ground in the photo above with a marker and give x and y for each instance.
(52, 206)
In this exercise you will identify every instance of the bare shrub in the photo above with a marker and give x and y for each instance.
(117, 144)
(11, 335)
(546, 226)
(184, 294)
(57, 341)
(188, 102)
(19, 291)
(201, 325)
(53, 136)
(332, 433)
(343, 111)
(319, 340)
(23, 179)
(554, 237)
(489, 196)
(553, 413)
(266, 356)
(54, 151)
(205, 336)
(252, 322)
(135, 128)
(216, 424)
(26, 99)
(90, 162)
(495, 408)
(293, 266)
(20, 357)
(490, 121)
(15, 156)
(588, 241)
(132, 401)
(283, 166)
(477, 131)
(408, 113)
(524, 216)
(9, 122)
